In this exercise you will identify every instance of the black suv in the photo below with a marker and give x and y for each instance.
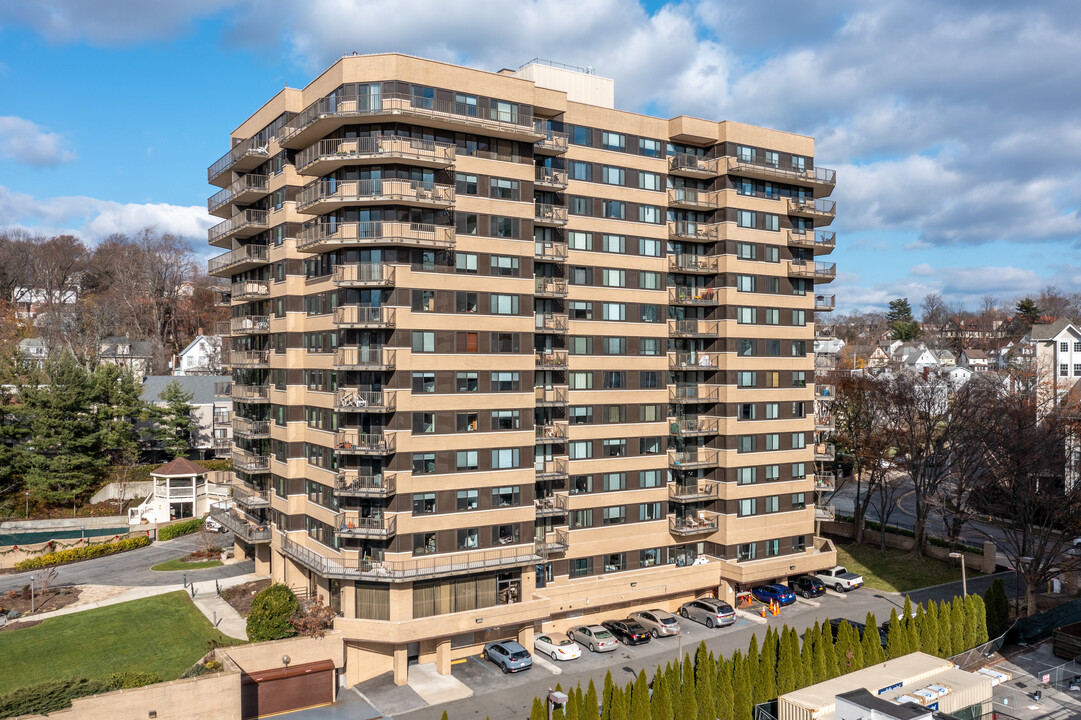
(807, 586)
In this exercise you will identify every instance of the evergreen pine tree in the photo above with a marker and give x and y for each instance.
(608, 697)
(917, 624)
(997, 607)
(945, 636)
(968, 606)
(703, 683)
(444, 716)
(688, 695)
(858, 663)
(173, 422)
(588, 708)
(820, 668)
(571, 709)
(957, 626)
(896, 640)
(981, 620)
(929, 629)
(797, 659)
(723, 696)
(787, 680)
(539, 712)
(119, 406)
(829, 653)
(807, 659)
(742, 703)
(660, 705)
(752, 658)
(766, 684)
(619, 707)
(639, 709)
(843, 648)
(912, 630)
(873, 654)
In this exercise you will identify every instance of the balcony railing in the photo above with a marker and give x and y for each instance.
(551, 322)
(553, 542)
(824, 422)
(693, 328)
(365, 400)
(825, 513)
(247, 531)
(248, 186)
(551, 360)
(819, 271)
(329, 153)
(551, 506)
(223, 417)
(693, 459)
(700, 491)
(700, 393)
(825, 303)
(322, 195)
(327, 235)
(704, 522)
(693, 296)
(249, 325)
(760, 168)
(250, 393)
(551, 433)
(354, 483)
(550, 287)
(364, 317)
(245, 427)
(825, 452)
(552, 142)
(550, 251)
(821, 241)
(245, 155)
(250, 462)
(547, 214)
(551, 177)
(248, 358)
(244, 224)
(699, 231)
(825, 481)
(819, 209)
(365, 275)
(694, 362)
(357, 443)
(555, 469)
(693, 165)
(701, 425)
(250, 290)
(364, 358)
(251, 498)
(351, 524)
(694, 198)
(692, 264)
(245, 257)
(548, 397)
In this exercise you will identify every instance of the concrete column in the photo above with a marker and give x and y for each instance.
(442, 656)
(990, 554)
(262, 559)
(726, 592)
(525, 636)
(349, 600)
(401, 665)
(401, 602)
(240, 551)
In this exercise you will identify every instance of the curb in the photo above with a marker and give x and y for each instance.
(808, 601)
(834, 593)
(752, 617)
(547, 664)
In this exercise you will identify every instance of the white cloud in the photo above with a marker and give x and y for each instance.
(28, 143)
(108, 23)
(92, 219)
(921, 270)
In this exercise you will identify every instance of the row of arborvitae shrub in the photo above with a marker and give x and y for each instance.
(57, 694)
(84, 552)
(181, 528)
(708, 688)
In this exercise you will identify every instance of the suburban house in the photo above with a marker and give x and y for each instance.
(34, 350)
(136, 355)
(202, 356)
(212, 414)
(975, 360)
(1058, 360)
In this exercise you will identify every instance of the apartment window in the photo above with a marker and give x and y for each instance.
(649, 313)
(746, 187)
(505, 342)
(799, 378)
(1077, 347)
(465, 262)
(772, 410)
(465, 184)
(615, 413)
(502, 189)
(468, 538)
(614, 243)
(1077, 369)
(745, 154)
(746, 251)
(746, 379)
(578, 240)
(799, 317)
(580, 567)
(799, 544)
(466, 460)
(747, 347)
(649, 346)
(771, 379)
(1064, 369)
(614, 562)
(799, 409)
(799, 501)
(613, 141)
(581, 415)
(649, 379)
(773, 548)
(773, 472)
(746, 219)
(505, 265)
(465, 382)
(580, 171)
(580, 135)
(649, 446)
(773, 348)
(614, 515)
(746, 443)
(615, 447)
(423, 503)
(648, 280)
(614, 345)
(505, 382)
(580, 450)
(506, 420)
(580, 519)
(747, 507)
(772, 503)
(581, 381)
(614, 481)
(747, 411)
(581, 484)
(423, 543)
(649, 413)
(772, 254)
(614, 209)
(649, 148)
(466, 342)
(423, 382)
(580, 310)
(581, 345)
(581, 275)
(799, 440)
(799, 348)
(423, 341)
(423, 423)
(465, 302)
(467, 224)
(773, 441)
(773, 316)
(649, 181)
(466, 421)
(773, 222)
(505, 458)
(613, 278)
(649, 479)
(506, 496)
(649, 247)
(613, 175)
(746, 283)
(504, 304)
(580, 206)
(423, 463)
(746, 551)
(773, 159)
(799, 471)
(614, 311)
(466, 500)
(505, 227)
(615, 380)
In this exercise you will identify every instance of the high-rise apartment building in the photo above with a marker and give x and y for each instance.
(506, 358)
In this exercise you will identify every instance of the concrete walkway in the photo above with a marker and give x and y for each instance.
(434, 688)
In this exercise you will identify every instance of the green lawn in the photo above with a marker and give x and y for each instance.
(165, 634)
(893, 570)
(179, 564)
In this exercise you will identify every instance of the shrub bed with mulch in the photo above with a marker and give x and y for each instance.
(240, 596)
(84, 552)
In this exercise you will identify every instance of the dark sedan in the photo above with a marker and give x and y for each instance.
(807, 586)
(628, 632)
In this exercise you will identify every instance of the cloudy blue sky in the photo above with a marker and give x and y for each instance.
(954, 126)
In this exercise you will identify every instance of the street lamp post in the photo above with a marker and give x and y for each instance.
(964, 579)
(27, 504)
(552, 699)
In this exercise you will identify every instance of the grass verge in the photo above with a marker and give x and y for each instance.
(893, 570)
(181, 564)
(164, 634)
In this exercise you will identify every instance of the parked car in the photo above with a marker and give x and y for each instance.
(508, 655)
(774, 593)
(213, 525)
(557, 646)
(594, 637)
(709, 611)
(839, 579)
(807, 586)
(628, 632)
(660, 623)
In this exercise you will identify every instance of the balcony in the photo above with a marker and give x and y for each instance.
(821, 241)
(821, 212)
(364, 275)
(250, 462)
(818, 271)
(549, 215)
(695, 231)
(249, 325)
(248, 359)
(704, 522)
(244, 191)
(693, 297)
(825, 482)
(550, 252)
(824, 422)
(694, 166)
(330, 113)
(325, 196)
(352, 525)
(695, 426)
(242, 157)
(552, 142)
(694, 362)
(250, 393)
(223, 327)
(693, 328)
(324, 156)
(326, 236)
(824, 332)
(555, 469)
(552, 433)
(353, 483)
(825, 303)
(251, 498)
(553, 542)
(693, 459)
(244, 258)
(823, 390)
(250, 532)
(551, 178)
(222, 447)
(551, 323)
(550, 288)
(823, 180)
(364, 358)
(694, 199)
(696, 264)
(550, 397)
(825, 513)
(244, 224)
(250, 290)
(253, 429)
(551, 360)
(222, 297)
(352, 316)
(223, 418)
(553, 506)
(825, 452)
(701, 491)
(354, 442)
(690, 394)
(376, 401)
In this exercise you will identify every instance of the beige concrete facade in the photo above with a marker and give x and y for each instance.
(524, 360)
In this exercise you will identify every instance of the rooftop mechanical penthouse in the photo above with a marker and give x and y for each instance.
(506, 358)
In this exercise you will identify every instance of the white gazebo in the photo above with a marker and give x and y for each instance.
(180, 491)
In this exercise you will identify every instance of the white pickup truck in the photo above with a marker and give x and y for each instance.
(839, 579)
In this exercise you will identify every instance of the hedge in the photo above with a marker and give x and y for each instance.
(86, 552)
(181, 528)
(132, 679)
(271, 611)
(49, 696)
